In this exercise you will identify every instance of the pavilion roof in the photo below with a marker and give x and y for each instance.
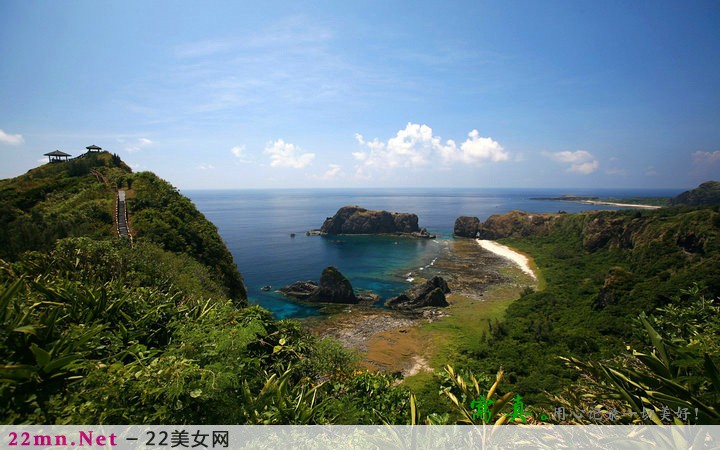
(93, 147)
(57, 153)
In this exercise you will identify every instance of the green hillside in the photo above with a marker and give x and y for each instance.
(55, 201)
(707, 193)
(604, 270)
(97, 328)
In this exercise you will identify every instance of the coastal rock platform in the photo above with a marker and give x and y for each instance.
(396, 341)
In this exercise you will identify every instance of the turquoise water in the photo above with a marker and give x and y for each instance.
(256, 226)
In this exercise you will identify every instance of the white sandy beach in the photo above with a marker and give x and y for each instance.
(629, 205)
(507, 252)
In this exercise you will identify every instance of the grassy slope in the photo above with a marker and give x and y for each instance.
(56, 201)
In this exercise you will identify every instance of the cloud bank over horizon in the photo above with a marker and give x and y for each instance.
(416, 146)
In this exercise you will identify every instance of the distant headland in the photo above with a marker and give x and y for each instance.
(643, 203)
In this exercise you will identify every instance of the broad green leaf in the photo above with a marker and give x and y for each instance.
(656, 340)
(7, 295)
(42, 357)
(27, 329)
(59, 363)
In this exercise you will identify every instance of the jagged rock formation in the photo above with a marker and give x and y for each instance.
(357, 220)
(466, 226)
(301, 290)
(430, 293)
(333, 288)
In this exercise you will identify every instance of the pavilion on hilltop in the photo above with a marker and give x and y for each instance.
(93, 148)
(57, 156)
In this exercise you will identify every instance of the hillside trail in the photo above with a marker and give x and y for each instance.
(121, 217)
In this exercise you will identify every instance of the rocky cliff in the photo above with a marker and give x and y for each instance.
(512, 224)
(692, 231)
(357, 220)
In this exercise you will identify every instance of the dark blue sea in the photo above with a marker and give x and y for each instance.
(256, 226)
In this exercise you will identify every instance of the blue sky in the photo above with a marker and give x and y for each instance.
(217, 94)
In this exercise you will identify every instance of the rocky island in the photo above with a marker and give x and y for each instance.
(357, 220)
(333, 288)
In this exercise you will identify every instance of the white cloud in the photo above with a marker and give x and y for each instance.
(571, 157)
(11, 139)
(706, 158)
(204, 166)
(585, 168)
(475, 150)
(615, 171)
(416, 146)
(333, 171)
(285, 154)
(581, 161)
(239, 152)
(360, 156)
(361, 174)
(136, 145)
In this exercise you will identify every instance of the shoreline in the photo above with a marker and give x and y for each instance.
(506, 252)
(625, 205)
(409, 344)
(596, 201)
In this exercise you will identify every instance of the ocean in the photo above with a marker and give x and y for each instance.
(256, 226)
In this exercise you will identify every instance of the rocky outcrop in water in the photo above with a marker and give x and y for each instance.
(430, 293)
(333, 288)
(357, 220)
(466, 226)
(300, 290)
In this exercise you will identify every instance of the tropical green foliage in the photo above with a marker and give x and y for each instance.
(90, 352)
(675, 379)
(707, 193)
(56, 201)
(96, 330)
(602, 271)
(160, 214)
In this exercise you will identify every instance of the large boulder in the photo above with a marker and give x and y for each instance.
(357, 220)
(430, 293)
(466, 226)
(333, 288)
